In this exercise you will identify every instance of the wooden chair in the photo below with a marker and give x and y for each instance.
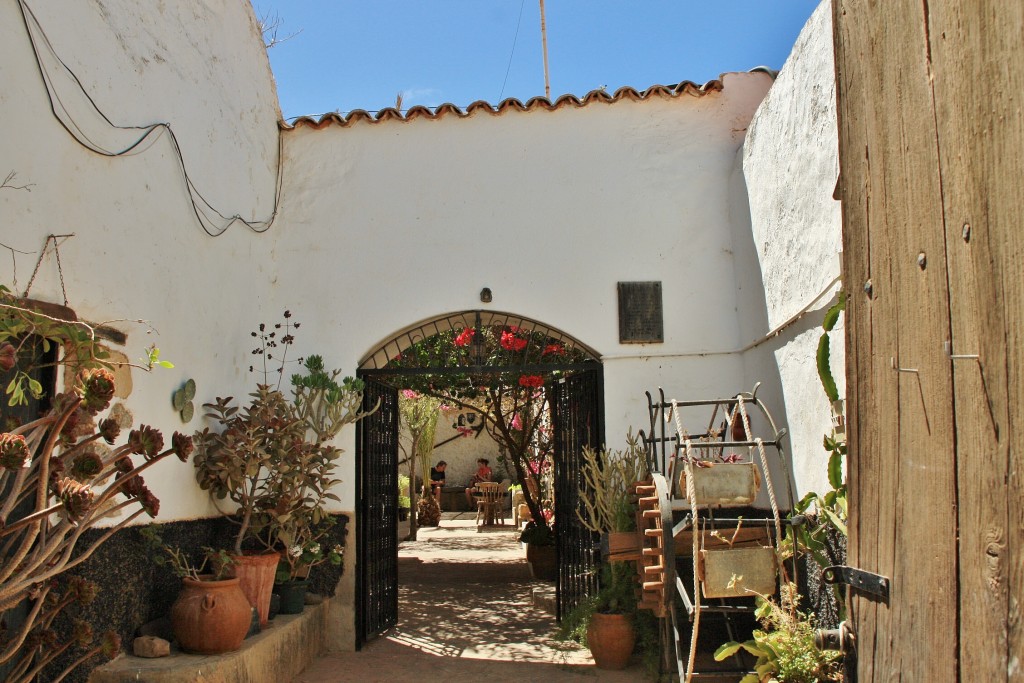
(490, 499)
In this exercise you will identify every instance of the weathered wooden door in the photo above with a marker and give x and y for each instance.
(931, 116)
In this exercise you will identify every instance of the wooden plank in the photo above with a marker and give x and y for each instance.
(745, 537)
(902, 469)
(978, 71)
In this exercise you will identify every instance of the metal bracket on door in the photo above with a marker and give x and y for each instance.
(858, 579)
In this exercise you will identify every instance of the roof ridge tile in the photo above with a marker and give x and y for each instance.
(420, 111)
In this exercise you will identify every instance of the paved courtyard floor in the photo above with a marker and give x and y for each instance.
(466, 614)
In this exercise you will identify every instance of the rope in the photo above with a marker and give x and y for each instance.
(691, 495)
(767, 474)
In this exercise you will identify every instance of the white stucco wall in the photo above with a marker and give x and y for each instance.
(383, 225)
(790, 166)
(138, 251)
(548, 209)
(380, 225)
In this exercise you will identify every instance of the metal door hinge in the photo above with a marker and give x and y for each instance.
(858, 579)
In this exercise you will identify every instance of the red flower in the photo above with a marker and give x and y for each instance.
(465, 337)
(510, 342)
(556, 349)
(531, 381)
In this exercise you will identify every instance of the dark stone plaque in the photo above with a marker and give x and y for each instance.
(640, 313)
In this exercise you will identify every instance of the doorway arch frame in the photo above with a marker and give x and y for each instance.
(579, 384)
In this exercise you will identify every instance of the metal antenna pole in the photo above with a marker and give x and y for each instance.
(544, 43)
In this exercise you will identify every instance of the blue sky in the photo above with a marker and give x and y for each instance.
(351, 54)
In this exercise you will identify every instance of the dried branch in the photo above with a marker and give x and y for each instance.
(270, 24)
(8, 183)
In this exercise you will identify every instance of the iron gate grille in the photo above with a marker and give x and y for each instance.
(377, 507)
(577, 413)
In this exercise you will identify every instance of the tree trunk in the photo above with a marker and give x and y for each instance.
(413, 526)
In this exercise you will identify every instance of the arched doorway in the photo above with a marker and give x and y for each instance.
(577, 411)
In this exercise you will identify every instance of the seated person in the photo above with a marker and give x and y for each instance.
(483, 473)
(437, 479)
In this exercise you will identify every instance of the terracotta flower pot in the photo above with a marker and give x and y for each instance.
(611, 639)
(256, 578)
(210, 617)
(543, 562)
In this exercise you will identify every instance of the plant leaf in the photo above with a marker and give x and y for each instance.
(825, 370)
(727, 650)
(835, 470)
(836, 521)
(832, 314)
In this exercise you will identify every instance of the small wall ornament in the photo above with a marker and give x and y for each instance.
(182, 400)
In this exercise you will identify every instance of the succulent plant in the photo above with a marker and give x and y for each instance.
(69, 485)
(428, 512)
(182, 400)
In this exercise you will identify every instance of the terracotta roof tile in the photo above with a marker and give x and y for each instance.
(510, 104)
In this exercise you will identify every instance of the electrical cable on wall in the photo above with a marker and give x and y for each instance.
(212, 220)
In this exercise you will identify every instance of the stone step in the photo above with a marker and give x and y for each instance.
(544, 599)
(286, 646)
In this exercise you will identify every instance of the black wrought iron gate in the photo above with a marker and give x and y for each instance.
(377, 510)
(577, 408)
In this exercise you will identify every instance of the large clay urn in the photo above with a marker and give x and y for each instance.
(611, 639)
(256, 576)
(543, 561)
(210, 617)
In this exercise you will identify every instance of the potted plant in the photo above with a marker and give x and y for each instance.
(211, 614)
(242, 463)
(304, 549)
(737, 572)
(609, 478)
(723, 479)
(428, 512)
(540, 550)
(274, 459)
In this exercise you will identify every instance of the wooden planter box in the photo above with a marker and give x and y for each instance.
(621, 546)
(726, 484)
(737, 573)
